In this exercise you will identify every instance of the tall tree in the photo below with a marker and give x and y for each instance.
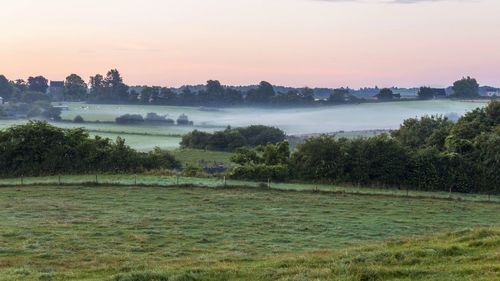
(96, 87)
(262, 94)
(75, 89)
(113, 82)
(385, 94)
(214, 87)
(466, 88)
(425, 93)
(6, 89)
(20, 85)
(38, 84)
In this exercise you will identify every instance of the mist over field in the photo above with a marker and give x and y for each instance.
(308, 120)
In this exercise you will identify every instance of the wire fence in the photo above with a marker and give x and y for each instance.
(220, 182)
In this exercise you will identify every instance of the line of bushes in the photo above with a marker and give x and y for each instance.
(231, 139)
(430, 153)
(38, 148)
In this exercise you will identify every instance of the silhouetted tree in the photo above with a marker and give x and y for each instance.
(6, 88)
(425, 93)
(38, 84)
(466, 88)
(75, 89)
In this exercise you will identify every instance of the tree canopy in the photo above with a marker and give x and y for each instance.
(75, 89)
(38, 84)
(466, 87)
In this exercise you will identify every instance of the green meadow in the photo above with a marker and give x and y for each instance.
(193, 233)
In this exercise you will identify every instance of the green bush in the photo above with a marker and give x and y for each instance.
(232, 139)
(38, 148)
(261, 172)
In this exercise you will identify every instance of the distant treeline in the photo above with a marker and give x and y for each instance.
(21, 99)
(38, 148)
(430, 153)
(152, 118)
(231, 139)
(112, 89)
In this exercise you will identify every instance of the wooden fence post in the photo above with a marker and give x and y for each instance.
(135, 179)
(224, 180)
(268, 183)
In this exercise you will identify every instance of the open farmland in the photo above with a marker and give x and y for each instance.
(353, 117)
(94, 233)
(362, 118)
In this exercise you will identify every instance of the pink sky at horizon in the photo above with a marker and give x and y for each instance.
(315, 43)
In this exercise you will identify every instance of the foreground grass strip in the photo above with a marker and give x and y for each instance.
(119, 233)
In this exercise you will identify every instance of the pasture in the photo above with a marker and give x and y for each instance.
(142, 233)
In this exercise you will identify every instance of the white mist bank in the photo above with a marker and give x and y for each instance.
(353, 117)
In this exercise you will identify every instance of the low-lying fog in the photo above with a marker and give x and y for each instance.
(293, 121)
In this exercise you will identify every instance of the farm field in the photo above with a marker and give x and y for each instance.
(119, 233)
(153, 180)
(143, 138)
(353, 120)
(369, 116)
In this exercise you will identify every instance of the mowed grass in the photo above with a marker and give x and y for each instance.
(125, 233)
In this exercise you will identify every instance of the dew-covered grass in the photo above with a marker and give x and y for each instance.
(146, 233)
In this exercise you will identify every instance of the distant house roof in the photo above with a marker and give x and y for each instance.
(56, 83)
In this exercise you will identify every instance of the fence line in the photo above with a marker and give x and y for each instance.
(176, 180)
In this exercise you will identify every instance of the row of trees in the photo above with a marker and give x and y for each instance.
(213, 94)
(231, 139)
(465, 88)
(75, 88)
(29, 98)
(38, 148)
(110, 88)
(430, 153)
(153, 118)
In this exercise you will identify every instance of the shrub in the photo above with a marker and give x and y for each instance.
(38, 148)
(192, 171)
(78, 119)
(232, 139)
(261, 172)
(130, 119)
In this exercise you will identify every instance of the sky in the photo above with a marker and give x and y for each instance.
(315, 43)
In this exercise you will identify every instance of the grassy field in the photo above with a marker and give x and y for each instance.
(143, 138)
(194, 156)
(118, 233)
(153, 180)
